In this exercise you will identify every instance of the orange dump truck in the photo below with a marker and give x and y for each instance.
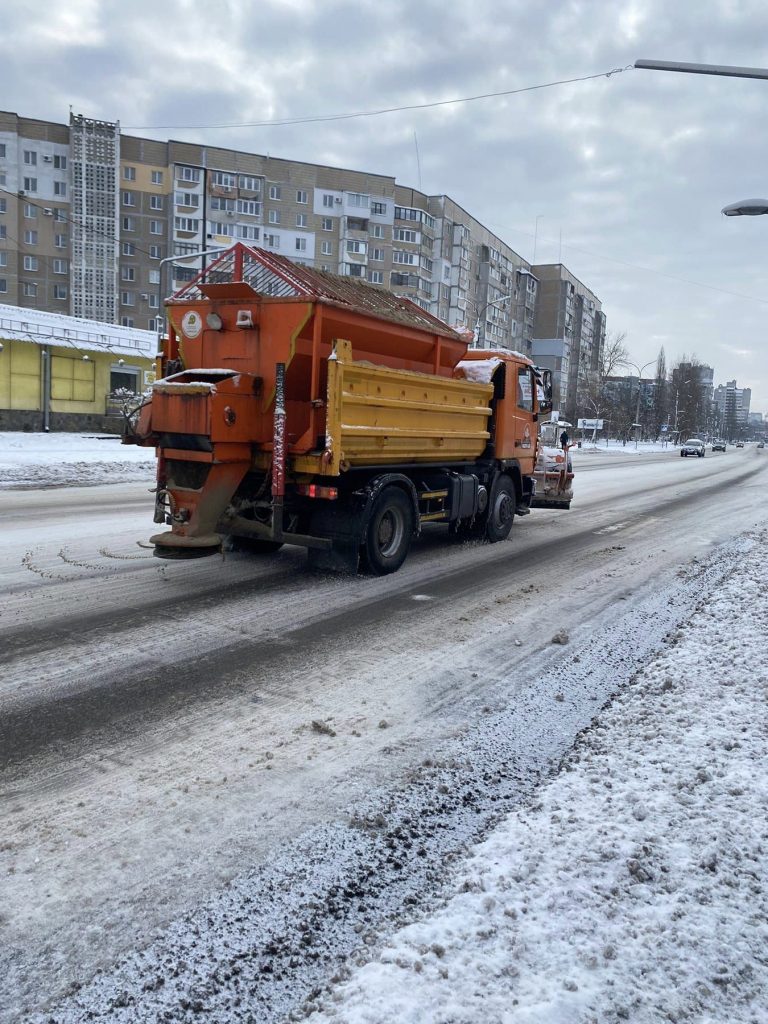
(298, 407)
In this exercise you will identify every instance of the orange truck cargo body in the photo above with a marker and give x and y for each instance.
(299, 407)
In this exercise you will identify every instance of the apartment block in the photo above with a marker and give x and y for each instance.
(569, 332)
(103, 225)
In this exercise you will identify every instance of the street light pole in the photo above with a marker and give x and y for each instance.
(639, 389)
(481, 314)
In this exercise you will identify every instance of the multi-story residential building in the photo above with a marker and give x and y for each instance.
(569, 332)
(103, 225)
(732, 405)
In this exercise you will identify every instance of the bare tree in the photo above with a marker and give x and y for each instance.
(593, 396)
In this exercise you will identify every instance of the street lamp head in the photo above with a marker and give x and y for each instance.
(746, 208)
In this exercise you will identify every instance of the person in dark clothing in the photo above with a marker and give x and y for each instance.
(564, 439)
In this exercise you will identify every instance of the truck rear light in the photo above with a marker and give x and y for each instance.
(317, 491)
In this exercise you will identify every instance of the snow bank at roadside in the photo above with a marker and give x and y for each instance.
(635, 888)
(70, 460)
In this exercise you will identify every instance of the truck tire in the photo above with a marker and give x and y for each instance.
(389, 531)
(501, 509)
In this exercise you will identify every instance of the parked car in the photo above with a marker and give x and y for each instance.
(693, 446)
(761, 444)
(739, 444)
(718, 445)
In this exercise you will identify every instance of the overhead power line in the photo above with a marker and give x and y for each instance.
(282, 122)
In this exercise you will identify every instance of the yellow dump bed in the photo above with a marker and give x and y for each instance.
(377, 415)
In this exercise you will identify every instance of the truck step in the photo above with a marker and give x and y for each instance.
(522, 510)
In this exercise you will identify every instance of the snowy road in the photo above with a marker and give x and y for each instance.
(170, 727)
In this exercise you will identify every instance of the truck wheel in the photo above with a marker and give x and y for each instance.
(501, 509)
(389, 530)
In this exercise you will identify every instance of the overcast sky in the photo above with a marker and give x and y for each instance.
(621, 178)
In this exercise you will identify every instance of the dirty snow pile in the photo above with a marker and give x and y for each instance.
(70, 460)
(635, 888)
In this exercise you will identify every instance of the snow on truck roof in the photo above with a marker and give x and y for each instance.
(272, 276)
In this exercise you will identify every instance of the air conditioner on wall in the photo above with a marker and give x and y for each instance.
(48, 212)
(337, 200)
(48, 159)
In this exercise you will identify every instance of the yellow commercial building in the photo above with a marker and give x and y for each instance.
(63, 373)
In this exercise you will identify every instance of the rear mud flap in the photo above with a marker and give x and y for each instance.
(343, 556)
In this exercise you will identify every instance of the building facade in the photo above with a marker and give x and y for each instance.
(568, 334)
(102, 225)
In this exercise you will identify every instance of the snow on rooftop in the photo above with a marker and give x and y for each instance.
(42, 328)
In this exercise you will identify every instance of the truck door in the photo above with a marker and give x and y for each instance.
(524, 425)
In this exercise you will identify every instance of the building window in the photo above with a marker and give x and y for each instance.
(326, 248)
(301, 245)
(358, 199)
(155, 252)
(60, 216)
(129, 223)
(301, 196)
(301, 220)
(157, 177)
(272, 240)
(327, 224)
(354, 269)
(248, 232)
(30, 263)
(29, 289)
(3, 282)
(153, 302)
(377, 255)
(129, 249)
(405, 235)
(223, 179)
(2, 230)
(188, 174)
(224, 205)
(127, 274)
(190, 199)
(30, 158)
(249, 184)
(404, 257)
(155, 227)
(30, 238)
(274, 216)
(274, 192)
(249, 207)
(126, 321)
(60, 188)
(219, 228)
(354, 245)
(153, 324)
(30, 211)
(30, 184)
(126, 298)
(3, 205)
(2, 150)
(129, 173)
(379, 210)
(376, 276)
(327, 200)
(378, 231)
(155, 202)
(3, 259)
(59, 291)
(191, 224)
(59, 266)
(129, 199)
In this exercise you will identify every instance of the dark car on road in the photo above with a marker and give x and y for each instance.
(718, 445)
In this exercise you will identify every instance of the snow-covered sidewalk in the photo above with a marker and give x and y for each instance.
(70, 460)
(634, 889)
